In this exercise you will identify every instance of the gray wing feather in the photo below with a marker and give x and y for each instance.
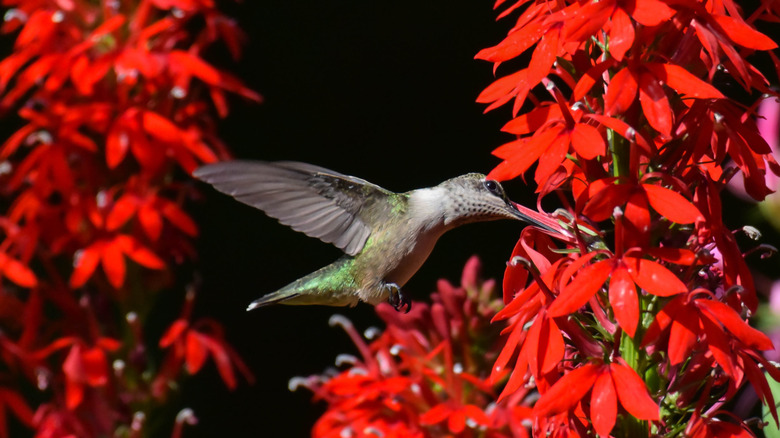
(316, 201)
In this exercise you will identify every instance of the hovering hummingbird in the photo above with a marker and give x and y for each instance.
(385, 236)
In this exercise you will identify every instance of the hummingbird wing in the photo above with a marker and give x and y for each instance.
(316, 201)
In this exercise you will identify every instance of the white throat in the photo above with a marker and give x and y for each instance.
(429, 206)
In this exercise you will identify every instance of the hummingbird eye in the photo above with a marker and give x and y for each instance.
(493, 187)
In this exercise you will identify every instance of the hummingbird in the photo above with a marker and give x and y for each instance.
(385, 236)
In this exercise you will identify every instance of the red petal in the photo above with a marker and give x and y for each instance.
(621, 34)
(475, 413)
(551, 344)
(534, 119)
(655, 104)
(514, 44)
(179, 218)
(637, 221)
(72, 366)
(545, 345)
(151, 221)
(161, 127)
(85, 264)
(678, 256)
(518, 163)
(625, 130)
(621, 92)
(683, 335)
(121, 212)
(140, 254)
(17, 271)
(114, 264)
(503, 89)
(507, 352)
(663, 319)
(515, 277)
(736, 325)
(682, 81)
(568, 391)
(207, 73)
(196, 352)
(95, 366)
(744, 35)
(74, 394)
(649, 12)
(578, 292)
(173, 333)
(654, 278)
(507, 150)
(108, 344)
(587, 141)
(117, 144)
(586, 20)
(590, 78)
(16, 139)
(108, 26)
(544, 56)
(624, 300)
(601, 206)
(632, 393)
(718, 344)
(456, 422)
(603, 405)
(553, 157)
(222, 360)
(436, 414)
(759, 381)
(671, 204)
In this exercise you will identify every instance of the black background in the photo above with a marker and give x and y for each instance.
(377, 89)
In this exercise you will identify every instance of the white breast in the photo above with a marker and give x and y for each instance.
(428, 224)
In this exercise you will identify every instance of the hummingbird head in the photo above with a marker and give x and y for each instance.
(474, 198)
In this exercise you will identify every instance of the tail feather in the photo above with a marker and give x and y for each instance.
(332, 285)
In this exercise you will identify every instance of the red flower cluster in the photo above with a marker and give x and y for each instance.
(426, 374)
(643, 316)
(111, 96)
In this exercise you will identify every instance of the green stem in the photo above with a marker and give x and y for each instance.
(620, 154)
(630, 352)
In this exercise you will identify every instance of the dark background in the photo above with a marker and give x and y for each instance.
(383, 90)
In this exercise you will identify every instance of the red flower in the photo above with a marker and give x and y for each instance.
(425, 376)
(84, 366)
(607, 384)
(149, 209)
(637, 134)
(191, 344)
(110, 253)
(112, 98)
(687, 321)
(624, 273)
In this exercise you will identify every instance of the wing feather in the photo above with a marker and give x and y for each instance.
(313, 200)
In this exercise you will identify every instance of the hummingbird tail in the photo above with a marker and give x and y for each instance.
(272, 298)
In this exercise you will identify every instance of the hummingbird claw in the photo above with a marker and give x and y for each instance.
(397, 298)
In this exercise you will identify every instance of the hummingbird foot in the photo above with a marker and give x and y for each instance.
(397, 298)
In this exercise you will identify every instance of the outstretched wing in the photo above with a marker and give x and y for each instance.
(313, 200)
